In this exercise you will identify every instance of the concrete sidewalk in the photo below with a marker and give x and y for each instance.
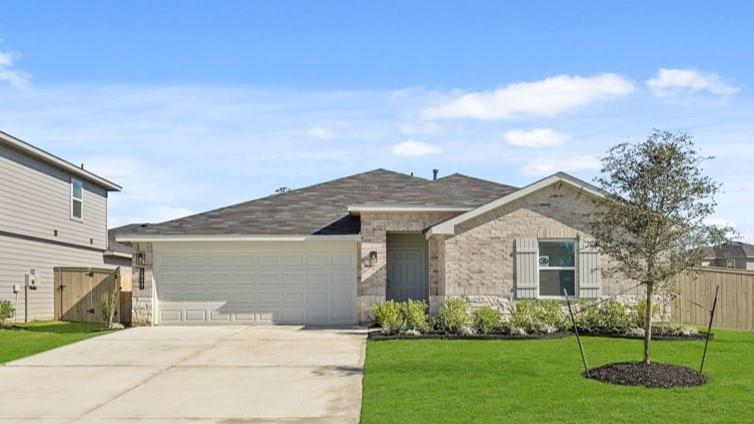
(198, 374)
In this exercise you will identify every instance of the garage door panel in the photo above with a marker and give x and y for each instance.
(227, 286)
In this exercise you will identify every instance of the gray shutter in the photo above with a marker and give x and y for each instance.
(589, 273)
(526, 269)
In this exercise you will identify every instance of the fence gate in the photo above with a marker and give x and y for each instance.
(78, 293)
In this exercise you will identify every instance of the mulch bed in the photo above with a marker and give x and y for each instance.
(651, 375)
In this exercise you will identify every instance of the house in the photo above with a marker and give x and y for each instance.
(733, 254)
(119, 254)
(53, 213)
(325, 253)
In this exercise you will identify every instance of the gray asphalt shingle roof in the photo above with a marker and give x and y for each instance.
(322, 208)
(733, 249)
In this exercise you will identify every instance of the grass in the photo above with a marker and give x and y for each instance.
(39, 336)
(437, 381)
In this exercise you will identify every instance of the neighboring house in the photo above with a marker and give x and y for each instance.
(733, 254)
(52, 213)
(325, 253)
(119, 254)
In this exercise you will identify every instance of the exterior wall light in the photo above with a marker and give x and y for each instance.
(372, 257)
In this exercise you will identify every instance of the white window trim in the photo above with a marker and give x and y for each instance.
(574, 268)
(727, 263)
(73, 182)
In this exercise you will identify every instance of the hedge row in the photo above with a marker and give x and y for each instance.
(527, 317)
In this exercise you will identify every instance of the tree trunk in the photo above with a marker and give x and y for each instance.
(648, 323)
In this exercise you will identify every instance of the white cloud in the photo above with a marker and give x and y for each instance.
(13, 77)
(669, 82)
(320, 133)
(545, 98)
(415, 148)
(547, 166)
(538, 137)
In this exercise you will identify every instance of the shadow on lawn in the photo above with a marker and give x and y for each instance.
(61, 327)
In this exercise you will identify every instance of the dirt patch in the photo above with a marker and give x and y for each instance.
(651, 375)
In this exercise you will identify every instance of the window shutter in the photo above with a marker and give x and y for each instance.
(526, 269)
(589, 273)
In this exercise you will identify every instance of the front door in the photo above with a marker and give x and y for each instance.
(406, 267)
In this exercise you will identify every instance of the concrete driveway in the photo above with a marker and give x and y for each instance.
(198, 374)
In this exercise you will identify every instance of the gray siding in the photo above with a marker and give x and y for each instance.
(18, 255)
(36, 202)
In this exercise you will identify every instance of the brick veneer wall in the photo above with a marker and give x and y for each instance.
(479, 261)
(372, 284)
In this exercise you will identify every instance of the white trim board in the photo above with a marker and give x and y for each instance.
(448, 227)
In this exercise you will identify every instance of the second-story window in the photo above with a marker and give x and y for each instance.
(77, 199)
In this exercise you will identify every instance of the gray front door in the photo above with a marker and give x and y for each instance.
(405, 274)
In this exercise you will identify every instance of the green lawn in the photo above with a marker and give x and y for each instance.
(39, 336)
(539, 381)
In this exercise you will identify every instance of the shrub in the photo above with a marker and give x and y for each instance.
(387, 315)
(524, 317)
(486, 320)
(453, 316)
(544, 316)
(552, 315)
(109, 304)
(414, 314)
(640, 312)
(614, 317)
(6, 311)
(588, 316)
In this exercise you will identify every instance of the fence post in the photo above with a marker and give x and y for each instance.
(576, 330)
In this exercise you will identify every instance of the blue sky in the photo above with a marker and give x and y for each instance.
(194, 105)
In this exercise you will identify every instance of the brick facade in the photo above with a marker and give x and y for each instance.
(372, 284)
(479, 259)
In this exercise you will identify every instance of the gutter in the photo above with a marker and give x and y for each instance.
(130, 238)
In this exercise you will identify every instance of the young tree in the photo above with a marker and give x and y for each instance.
(651, 221)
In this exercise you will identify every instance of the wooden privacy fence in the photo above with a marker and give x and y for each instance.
(78, 293)
(735, 303)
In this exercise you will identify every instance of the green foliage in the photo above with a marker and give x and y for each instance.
(652, 219)
(551, 314)
(533, 316)
(639, 313)
(587, 315)
(454, 315)
(6, 311)
(109, 305)
(611, 316)
(388, 316)
(414, 314)
(615, 317)
(524, 316)
(486, 320)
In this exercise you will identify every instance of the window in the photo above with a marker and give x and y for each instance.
(77, 199)
(557, 267)
(730, 263)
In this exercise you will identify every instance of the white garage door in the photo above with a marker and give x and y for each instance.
(306, 282)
